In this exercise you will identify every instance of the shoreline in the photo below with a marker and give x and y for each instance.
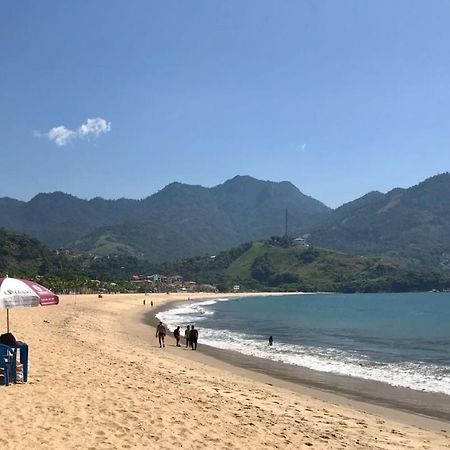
(98, 379)
(369, 395)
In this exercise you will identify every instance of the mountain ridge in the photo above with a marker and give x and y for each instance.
(406, 224)
(412, 224)
(219, 217)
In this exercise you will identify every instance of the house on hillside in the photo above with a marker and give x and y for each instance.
(207, 288)
(190, 285)
(175, 280)
(155, 278)
(300, 241)
(139, 280)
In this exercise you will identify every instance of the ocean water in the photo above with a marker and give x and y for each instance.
(399, 339)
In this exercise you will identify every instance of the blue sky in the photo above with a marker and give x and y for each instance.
(339, 97)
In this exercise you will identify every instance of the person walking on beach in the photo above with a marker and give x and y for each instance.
(143, 302)
(270, 340)
(176, 335)
(151, 303)
(160, 334)
(193, 337)
(187, 333)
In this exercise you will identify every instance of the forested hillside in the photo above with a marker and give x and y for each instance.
(23, 256)
(411, 225)
(178, 221)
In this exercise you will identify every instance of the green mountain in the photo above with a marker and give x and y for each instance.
(57, 218)
(278, 264)
(143, 240)
(22, 256)
(178, 221)
(409, 225)
(271, 265)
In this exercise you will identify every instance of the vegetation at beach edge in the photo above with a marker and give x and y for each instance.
(275, 264)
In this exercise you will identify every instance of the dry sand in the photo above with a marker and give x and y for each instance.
(98, 380)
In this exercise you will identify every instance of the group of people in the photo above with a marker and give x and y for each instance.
(190, 335)
(151, 303)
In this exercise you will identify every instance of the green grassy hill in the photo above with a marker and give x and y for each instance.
(277, 264)
(142, 240)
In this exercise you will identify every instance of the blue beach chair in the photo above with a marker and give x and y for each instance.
(6, 363)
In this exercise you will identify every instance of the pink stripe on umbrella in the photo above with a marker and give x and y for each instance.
(46, 297)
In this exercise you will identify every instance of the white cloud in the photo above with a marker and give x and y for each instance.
(94, 127)
(303, 148)
(62, 136)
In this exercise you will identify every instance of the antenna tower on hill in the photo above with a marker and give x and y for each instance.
(286, 223)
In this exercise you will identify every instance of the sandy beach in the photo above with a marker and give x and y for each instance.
(98, 380)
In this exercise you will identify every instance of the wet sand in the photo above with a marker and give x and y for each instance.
(367, 393)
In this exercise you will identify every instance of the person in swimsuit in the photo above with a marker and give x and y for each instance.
(160, 334)
(270, 340)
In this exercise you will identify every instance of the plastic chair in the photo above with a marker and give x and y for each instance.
(6, 363)
(20, 364)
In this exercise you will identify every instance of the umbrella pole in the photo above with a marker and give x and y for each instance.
(7, 320)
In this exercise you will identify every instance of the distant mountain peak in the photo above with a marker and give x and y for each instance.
(242, 178)
(247, 179)
(57, 196)
(174, 184)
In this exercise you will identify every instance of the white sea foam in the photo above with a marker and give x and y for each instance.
(418, 376)
(188, 312)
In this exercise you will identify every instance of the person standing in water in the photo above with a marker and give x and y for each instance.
(160, 334)
(270, 340)
(187, 333)
(176, 335)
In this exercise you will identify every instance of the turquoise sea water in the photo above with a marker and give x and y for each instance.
(400, 339)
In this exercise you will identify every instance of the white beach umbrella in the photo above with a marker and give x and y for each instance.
(16, 293)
